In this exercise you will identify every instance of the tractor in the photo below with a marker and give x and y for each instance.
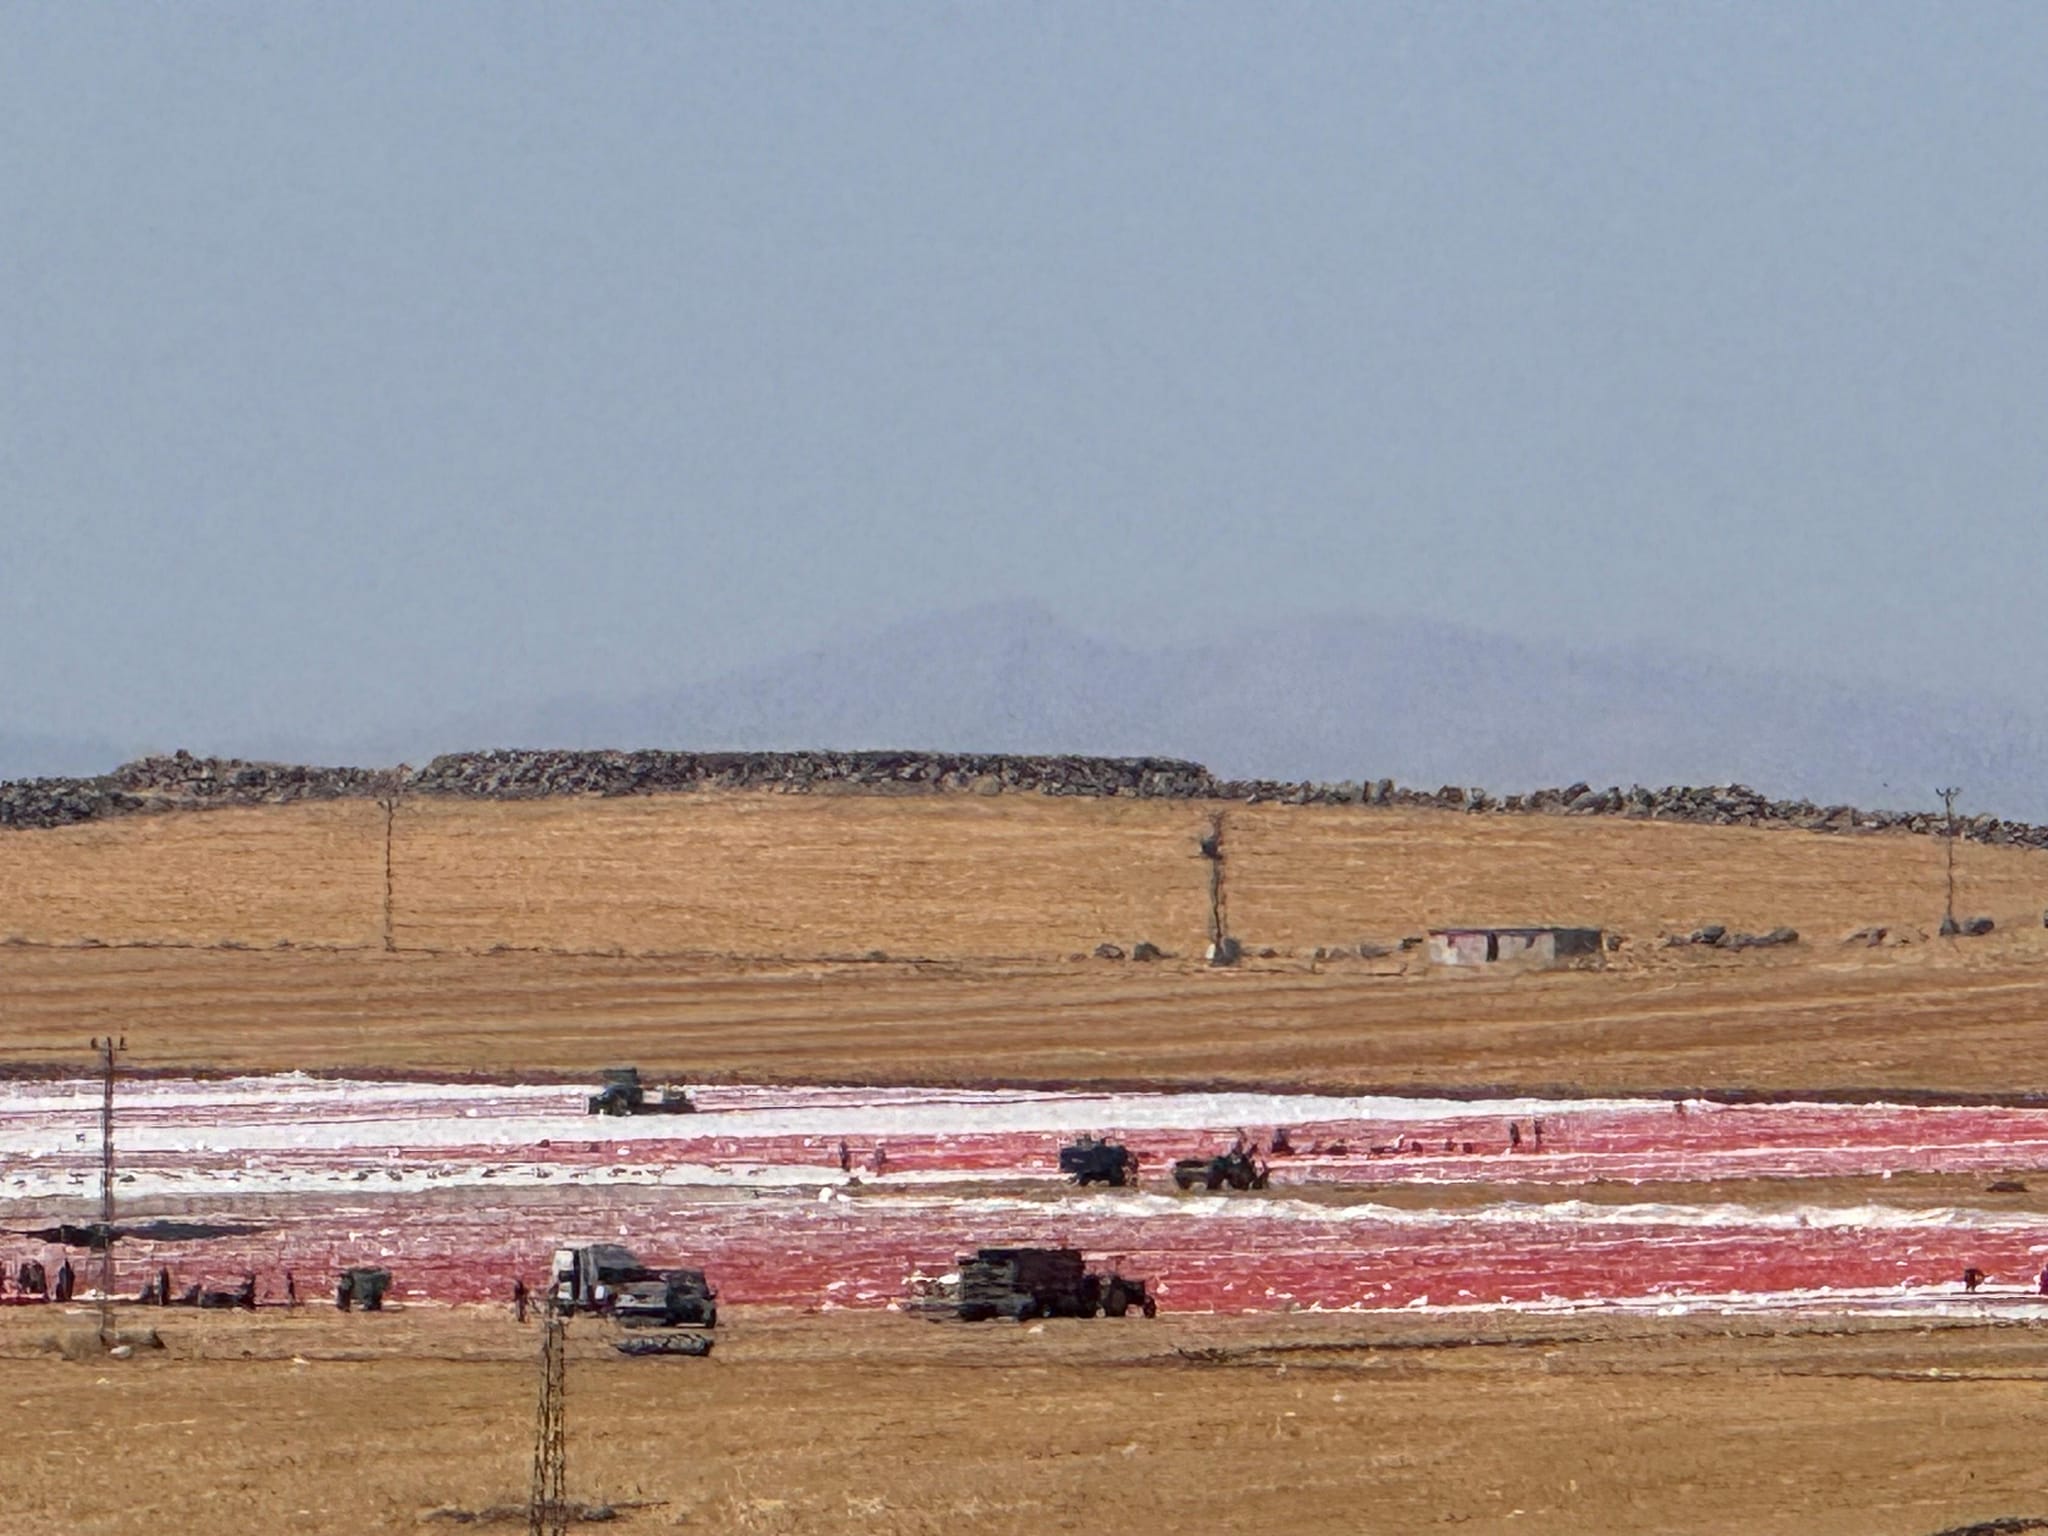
(361, 1286)
(624, 1094)
(1234, 1169)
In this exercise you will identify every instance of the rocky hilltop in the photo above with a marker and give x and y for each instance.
(180, 781)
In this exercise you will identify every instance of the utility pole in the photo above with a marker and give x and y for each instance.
(1949, 927)
(1222, 948)
(547, 1509)
(106, 1048)
(392, 786)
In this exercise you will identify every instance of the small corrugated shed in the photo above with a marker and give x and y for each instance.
(1532, 946)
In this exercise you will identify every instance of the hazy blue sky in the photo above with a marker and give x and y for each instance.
(358, 361)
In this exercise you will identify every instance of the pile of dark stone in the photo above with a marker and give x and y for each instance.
(526, 775)
(181, 776)
(1719, 936)
(61, 802)
(1720, 805)
(178, 781)
(1144, 949)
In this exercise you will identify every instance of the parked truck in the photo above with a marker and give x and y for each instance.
(1024, 1283)
(606, 1280)
(1089, 1161)
(624, 1094)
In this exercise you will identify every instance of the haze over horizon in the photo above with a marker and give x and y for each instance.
(1327, 698)
(373, 373)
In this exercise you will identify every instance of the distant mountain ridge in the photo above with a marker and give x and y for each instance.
(1329, 699)
(1323, 699)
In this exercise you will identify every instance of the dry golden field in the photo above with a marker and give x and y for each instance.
(867, 1423)
(1912, 1020)
(723, 934)
(727, 937)
(947, 877)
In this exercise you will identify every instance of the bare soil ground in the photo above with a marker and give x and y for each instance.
(878, 1423)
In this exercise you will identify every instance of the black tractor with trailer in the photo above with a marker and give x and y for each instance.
(1089, 1161)
(1226, 1170)
(624, 1094)
(1025, 1283)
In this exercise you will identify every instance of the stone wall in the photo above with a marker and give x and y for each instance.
(183, 782)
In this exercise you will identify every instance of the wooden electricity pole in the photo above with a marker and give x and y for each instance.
(1949, 927)
(387, 801)
(1212, 850)
(1223, 949)
(106, 1049)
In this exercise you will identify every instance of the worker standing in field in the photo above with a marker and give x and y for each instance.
(845, 1156)
(519, 1297)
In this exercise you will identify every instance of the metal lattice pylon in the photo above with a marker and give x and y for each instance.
(547, 1510)
(107, 1048)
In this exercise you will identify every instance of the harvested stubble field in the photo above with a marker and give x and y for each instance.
(866, 1423)
(723, 936)
(1911, 1021)
(947, 876)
